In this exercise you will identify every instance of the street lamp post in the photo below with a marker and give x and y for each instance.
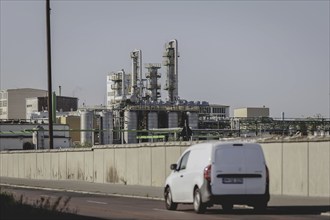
(49, 68)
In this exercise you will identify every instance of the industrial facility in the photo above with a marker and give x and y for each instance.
(135, 112)
(137, 109)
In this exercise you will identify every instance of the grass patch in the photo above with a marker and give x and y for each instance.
(43, 208)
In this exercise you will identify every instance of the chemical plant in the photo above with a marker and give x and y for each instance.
(139, 114)
(135, 112)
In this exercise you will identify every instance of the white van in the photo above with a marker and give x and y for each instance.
(219, 173)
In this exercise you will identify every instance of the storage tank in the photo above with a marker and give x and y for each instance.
(38, 137)
(193, 120)
(172, 119)
(86, 125)
(130, 123)
(106, 127)
(152, 120)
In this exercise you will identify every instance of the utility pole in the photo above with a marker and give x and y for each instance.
(49, 67)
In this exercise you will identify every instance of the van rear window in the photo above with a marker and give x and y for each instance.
(229, 156)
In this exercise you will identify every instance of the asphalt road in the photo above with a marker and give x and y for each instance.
(124, 208)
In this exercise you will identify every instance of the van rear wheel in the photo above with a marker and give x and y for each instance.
(227, 207)
(199, 206)
(170, 205)
(260, 207)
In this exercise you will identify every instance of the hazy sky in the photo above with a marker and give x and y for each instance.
(236, 53)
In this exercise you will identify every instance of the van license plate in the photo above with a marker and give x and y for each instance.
(232, 180)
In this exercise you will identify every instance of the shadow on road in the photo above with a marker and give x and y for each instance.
(297, 210)
(271, 210)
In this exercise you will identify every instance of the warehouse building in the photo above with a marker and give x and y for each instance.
(251, 112)
(40, 104)
(12, 102)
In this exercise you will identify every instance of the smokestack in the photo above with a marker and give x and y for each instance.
(59, 90)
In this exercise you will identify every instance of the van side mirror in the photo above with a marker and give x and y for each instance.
(173, 166)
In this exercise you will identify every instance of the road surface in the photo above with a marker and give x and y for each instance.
(118, 207)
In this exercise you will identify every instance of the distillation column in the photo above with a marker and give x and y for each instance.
(116, 89)
(171, 62)
(152, 75)
(136, 76)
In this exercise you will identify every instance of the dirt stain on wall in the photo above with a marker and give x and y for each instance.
(112, 175)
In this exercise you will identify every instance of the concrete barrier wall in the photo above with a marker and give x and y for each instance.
(99, 165)
(273, 156)
(145, 166)
(319, 160)
(301, 168)
(295, 169)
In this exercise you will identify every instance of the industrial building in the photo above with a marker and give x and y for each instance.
(73, 121)
(40, 104)
(26, 135)
(12, 102)
(251, 112)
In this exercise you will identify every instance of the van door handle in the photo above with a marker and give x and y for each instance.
(181, 175)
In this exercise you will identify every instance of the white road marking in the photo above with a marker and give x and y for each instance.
(97, 202)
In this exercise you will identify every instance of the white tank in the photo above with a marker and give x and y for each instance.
(130, 123)
(235, 124)
(107, 127)
(152, 120)
(172, 120)
(86, 123)
(193, 120)
(38, 137)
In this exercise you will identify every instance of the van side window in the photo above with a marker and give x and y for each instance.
(183, 161)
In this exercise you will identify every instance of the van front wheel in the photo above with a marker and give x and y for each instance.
(170, 205)
(199, 206)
